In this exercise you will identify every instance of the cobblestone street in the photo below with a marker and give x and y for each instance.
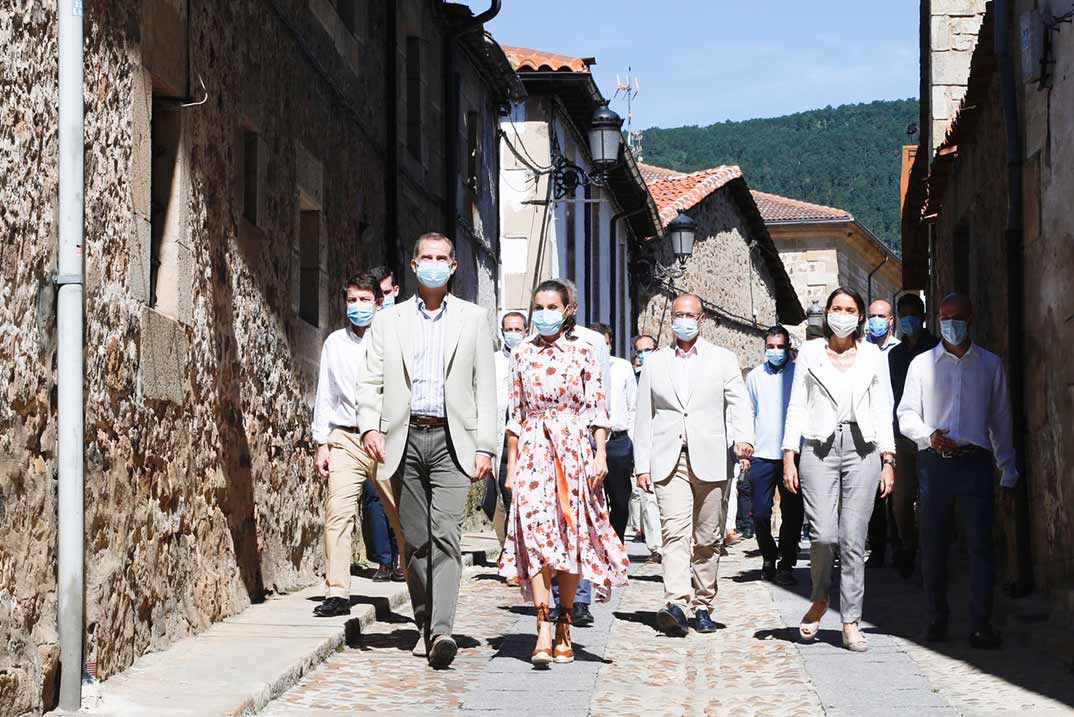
(752, 666)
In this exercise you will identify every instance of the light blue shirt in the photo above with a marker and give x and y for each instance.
(427, 383)
(770, 394)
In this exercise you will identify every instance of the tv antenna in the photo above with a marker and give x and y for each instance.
(628, 88)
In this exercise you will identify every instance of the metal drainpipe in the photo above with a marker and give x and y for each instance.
(875, 269)
(613, 239)
(69, 368)
(1015, 281)
(391, 148)
(451, 114)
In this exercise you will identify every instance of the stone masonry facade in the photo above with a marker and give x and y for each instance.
(954, 25)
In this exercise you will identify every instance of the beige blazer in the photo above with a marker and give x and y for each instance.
(715, 413)
(384, 390)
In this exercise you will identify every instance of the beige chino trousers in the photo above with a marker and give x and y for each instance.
(349, 466)
(691, 520)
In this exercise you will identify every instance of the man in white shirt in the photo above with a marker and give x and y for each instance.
(644, 513)
(340, 456)
(955, 407)
(691, 401)
(881, 331)
(622, 394)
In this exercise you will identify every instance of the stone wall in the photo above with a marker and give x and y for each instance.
(200, 492)
(724, 272)
(954, 25)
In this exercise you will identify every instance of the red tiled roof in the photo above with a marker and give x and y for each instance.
(522, 58)
(676, 190)
(775, 208)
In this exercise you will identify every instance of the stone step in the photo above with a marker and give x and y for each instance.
(240, 664)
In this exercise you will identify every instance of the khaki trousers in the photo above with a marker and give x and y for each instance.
(691, 520)
(348, 468)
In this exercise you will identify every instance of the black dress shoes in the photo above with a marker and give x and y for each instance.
(937, 631)
(785, 578)
(672, 621)
(768, 570)
(580, 615)
(383, 574)
(333, 607)
(702, 621)
(442, 652)
(985, 639)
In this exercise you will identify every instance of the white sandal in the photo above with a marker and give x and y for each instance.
(808, 630)
(859, 644)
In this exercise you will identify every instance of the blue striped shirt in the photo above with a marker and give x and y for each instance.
(427, 382)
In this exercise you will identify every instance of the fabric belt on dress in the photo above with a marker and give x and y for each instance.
(428, 421)
(960, 452)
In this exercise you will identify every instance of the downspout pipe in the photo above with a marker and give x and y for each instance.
(391, 144)
(1015, 280)
(451, 114)
(875, 269)
(69, 366)
(613, 239)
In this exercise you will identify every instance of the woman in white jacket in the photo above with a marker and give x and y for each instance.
(840, 418)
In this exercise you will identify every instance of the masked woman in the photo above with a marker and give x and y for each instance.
(555, 466)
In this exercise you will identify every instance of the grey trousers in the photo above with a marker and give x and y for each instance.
(839, 479)
(431, 492)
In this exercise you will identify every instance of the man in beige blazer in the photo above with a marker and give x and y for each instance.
(691, 404)
(427, 411)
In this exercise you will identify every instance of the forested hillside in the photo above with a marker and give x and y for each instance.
(846, 157)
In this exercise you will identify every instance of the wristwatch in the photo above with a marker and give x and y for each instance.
(888, 462)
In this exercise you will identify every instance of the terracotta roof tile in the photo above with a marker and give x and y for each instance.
(775, 208)
(522, 58)
(677, 190)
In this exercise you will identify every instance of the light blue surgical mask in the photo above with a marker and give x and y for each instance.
(910, 325)
(685, 329)
(776, 357)
(878, 327)
(954, 331)
(642, 355)
(360, 313)
(513, 338)
(433, 274)
(388, 301)
(547, 321)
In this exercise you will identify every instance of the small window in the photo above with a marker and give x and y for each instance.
(165, 211)
(309, 283)
(250, 162)
(413, 96)
(473, 152)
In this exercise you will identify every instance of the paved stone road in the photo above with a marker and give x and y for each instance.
(752, 666)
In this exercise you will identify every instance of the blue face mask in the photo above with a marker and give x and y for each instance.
(513, 338)
(685, 329)
(642, 355)
(878, 327)
(361, 313)
(388, 301)
(910, 325)
(433, 274)
(547, 321)
(776, 357)
(954, 331)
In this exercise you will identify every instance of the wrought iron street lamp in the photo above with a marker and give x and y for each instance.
(605, 139)
(681, 234)
(815, 321)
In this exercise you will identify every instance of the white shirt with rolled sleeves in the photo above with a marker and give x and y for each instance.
(965, 396)
(600, 347)
(342, 361)
(622, 394)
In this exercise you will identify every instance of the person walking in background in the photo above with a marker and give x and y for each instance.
(769, 388)
(690, 401)
(556, 463)
(916, 340)
(497, 500)
(839, 418)
(739, 519)
(427, 411)
(340, 456)
(644, 345)
(622, 404)
(644, 513)
(956, 409)
(881, 331)
(388, 286)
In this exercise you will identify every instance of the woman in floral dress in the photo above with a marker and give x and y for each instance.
(559, 523)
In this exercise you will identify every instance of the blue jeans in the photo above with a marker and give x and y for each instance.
(764, 477)
(944, 482)
(380, 543)
(584, 593)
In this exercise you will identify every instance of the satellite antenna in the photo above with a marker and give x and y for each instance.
(629, 88)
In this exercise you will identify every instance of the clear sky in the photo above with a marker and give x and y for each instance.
(705, 61)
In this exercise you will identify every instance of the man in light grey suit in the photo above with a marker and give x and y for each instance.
(691, 401)
(427, 411)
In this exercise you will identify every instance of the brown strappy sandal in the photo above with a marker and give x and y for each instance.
(562, 649)
(541, 657)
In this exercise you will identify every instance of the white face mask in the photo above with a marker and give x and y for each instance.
(841, 324)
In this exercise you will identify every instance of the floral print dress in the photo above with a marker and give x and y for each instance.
(555, 519)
